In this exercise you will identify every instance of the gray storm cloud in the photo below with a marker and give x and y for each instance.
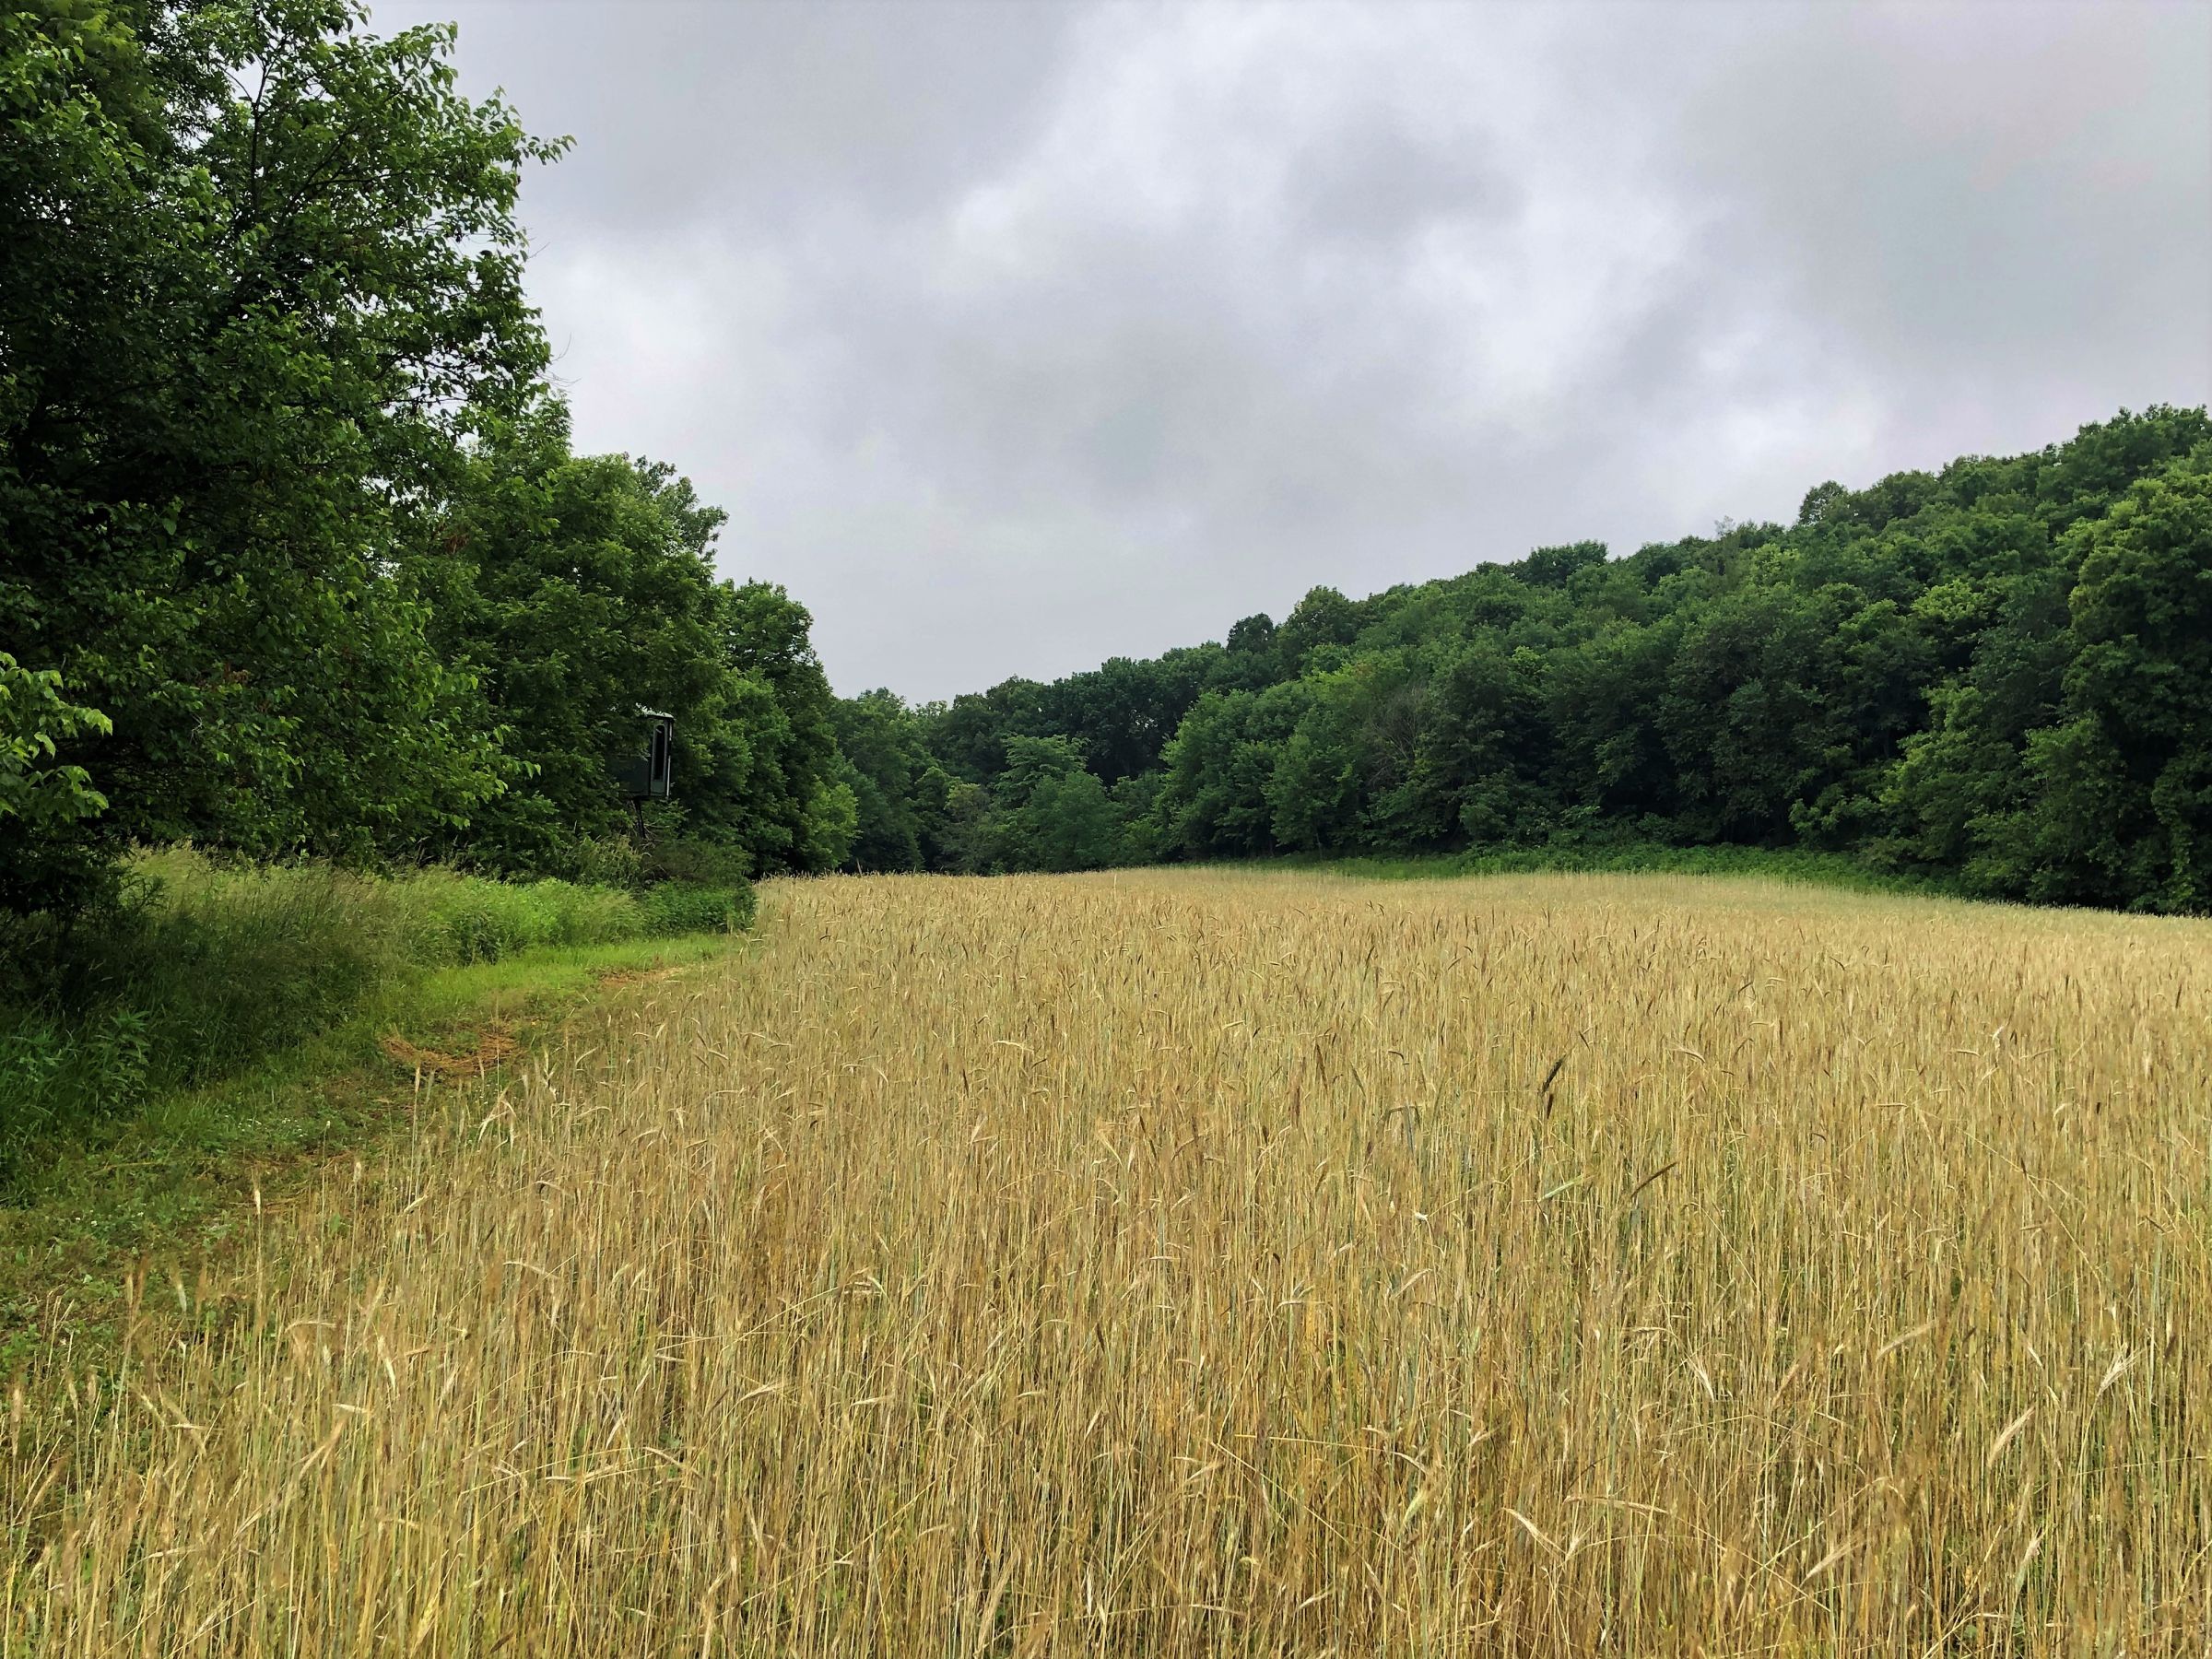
(1015, 338)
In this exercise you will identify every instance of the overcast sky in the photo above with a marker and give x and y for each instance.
(1016, 337)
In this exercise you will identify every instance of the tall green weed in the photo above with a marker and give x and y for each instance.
(204, 968)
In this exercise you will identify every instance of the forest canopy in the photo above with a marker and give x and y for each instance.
(1998, 676)
(298, 558)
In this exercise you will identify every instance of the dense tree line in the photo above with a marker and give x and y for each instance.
(1998, 676)
(295, 556)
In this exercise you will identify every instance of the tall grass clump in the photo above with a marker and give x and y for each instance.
(204, 968)
(685, 907)
(1216, 1263)
(448, 918)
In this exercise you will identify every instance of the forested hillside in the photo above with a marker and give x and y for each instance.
(299, 560)
(1998, 676)
(295, 556)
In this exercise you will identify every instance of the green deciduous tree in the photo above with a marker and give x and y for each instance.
(259, 271)
(1995, 675)
(790, 809)
(2124, 811)
(1213, 801)
(42, 797)
(902, 797)
(577, 589)
(1054, 815)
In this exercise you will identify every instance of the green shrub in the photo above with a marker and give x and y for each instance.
(201, 967)
(50, 1076)
(222, 964)
(683, 907)
(458, 919)
(693, 861)
(37, 1083)
(605, 860)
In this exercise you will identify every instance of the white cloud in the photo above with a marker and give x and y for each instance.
(1016, 338)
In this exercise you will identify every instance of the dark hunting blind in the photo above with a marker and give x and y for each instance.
(646, 773)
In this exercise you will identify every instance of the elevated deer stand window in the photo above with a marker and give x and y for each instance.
(648, 774)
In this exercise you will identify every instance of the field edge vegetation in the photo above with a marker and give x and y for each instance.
(235, 1023)
(1842, 871)
(1992, 677)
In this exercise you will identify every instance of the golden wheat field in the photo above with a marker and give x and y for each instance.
(1202, 1262)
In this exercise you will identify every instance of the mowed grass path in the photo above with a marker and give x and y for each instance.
(1221, 1262)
